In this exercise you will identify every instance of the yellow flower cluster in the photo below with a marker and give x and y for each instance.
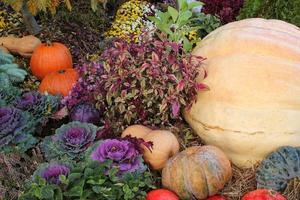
(9, 20)
(2, 21)
(128, 20)
(192, 36)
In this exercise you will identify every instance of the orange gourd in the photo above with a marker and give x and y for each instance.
(50, 57)
(165, 144)
(59, 82)
(199, 171)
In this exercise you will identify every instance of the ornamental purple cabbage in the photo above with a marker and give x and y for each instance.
(39, 105)
(122, 153)
(51, 172)
(15, 128)
(85, 113)
(70, 141)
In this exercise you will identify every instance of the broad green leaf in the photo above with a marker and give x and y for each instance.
(94, 5)
(73, 176)
(47, 192)
(184, 16)
(173, 12)
(195, 4)
(187, 45)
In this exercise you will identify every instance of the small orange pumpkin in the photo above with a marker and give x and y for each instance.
(50, 57)
(59, 82)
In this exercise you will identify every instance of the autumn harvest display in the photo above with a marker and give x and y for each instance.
(149, 100)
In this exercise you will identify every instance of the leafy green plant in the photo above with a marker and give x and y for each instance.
(177, 24)
(13, 72)
(91, 181)
(288, 11)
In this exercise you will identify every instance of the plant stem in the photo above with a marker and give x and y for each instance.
(29, 20)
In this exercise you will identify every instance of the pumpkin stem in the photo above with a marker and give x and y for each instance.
(61, 71)
(48, 43)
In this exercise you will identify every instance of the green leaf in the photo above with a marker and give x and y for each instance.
(73, 176)
(173, 12)
(47, 192)
(75, 191)
(187, 45)
(184, 17)
(183, 5)
(94, 5)
(195, 4)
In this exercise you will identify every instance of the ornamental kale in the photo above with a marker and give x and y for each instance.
(10, 69)
(85, 113)
(52, 171)
(123, 154)
(89, 180)
(38, 105)
(147, 83)
(16, 129)
(70, 141)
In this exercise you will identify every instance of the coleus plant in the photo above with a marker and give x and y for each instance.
(147, 82)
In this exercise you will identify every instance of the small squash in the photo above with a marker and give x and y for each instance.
(278, 168)
(138, 131)
(263, 194)
(199, 171)
(161, 194)
(23, 46)
(165, 144)
(48, 58)
(59, 82)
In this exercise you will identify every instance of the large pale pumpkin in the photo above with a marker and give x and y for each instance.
(198, 171)
(253, 106)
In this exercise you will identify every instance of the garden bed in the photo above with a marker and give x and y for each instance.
(120, 75)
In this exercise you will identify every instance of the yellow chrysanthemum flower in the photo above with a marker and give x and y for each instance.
(128, 20)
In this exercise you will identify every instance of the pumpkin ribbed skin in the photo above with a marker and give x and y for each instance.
(278, 168)
(197, 172)
(60, 82)
(253, 106)
(48, 58)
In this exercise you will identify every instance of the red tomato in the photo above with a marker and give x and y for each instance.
(161, 194)
(216, 197)
(263, 194)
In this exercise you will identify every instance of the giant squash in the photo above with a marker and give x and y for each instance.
(253, 106)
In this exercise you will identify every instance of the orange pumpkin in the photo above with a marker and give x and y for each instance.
(59, 82)
(198, 171)
(50, 57)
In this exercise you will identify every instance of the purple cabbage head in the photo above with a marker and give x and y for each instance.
(122, 153)
(85, 113)
(51, 172)
(70, 140)
(15, 127)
